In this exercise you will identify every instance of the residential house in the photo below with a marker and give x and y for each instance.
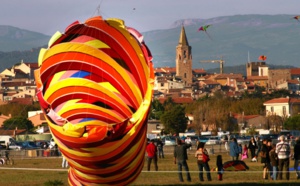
(261, 81)
(248, 121)
(295, 73)
(283, 107)
(293, 85)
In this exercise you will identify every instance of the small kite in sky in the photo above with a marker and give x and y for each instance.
(263, 58)
(297, 17)
(204, 29)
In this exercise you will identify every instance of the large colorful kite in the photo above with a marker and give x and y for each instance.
(95, 86)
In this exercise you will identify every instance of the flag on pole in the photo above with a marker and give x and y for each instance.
(263, 58)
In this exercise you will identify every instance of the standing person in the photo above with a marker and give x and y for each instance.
(220, 167)
(226, 146)
(201, 164)
(160, 147)
(188, 141)
(259, 145)
(297, 157)
(283, 152)
(274, 161)
(252, 147)
(64, 162)
(180, 157)
(234, 149)
(151, 150)
(245, 152)
(240, 150)
(265, 158)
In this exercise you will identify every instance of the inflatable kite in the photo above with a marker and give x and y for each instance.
(236, 165)
(94, 84)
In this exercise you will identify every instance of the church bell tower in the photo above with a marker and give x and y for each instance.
(184, 59)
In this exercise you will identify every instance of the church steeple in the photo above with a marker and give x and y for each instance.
(184, 59)
(182, 38)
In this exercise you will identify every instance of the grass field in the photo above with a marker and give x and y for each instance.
(48, 171)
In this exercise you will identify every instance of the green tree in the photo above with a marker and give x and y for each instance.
(18, 122)
(174, 120)
(292, 123)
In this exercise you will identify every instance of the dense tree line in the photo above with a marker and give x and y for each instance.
(216, 112)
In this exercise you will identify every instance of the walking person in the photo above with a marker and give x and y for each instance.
(234, 149)
(151, 150)
(297, 157)
(274, 162)
(283, 152)
(180, 157)
(64, 163)
(252, 147)
(202, 164)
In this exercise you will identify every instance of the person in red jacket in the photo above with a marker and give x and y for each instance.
(151, 150)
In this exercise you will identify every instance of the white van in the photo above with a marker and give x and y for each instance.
(6, 139)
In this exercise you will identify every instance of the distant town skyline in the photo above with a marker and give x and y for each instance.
(47, 16)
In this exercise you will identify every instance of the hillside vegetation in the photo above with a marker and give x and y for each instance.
(238, 39)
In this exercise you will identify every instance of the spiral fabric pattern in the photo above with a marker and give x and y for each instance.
(95, 85)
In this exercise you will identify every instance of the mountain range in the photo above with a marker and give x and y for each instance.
(236, 39)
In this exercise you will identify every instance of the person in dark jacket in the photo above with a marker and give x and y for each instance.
(252, 147)
(151, 150)
(265, 158)
(180, 157)
(274, 161)
(297, 157)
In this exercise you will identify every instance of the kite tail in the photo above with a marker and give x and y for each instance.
(208, 36)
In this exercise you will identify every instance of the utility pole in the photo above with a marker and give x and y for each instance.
(221, 61)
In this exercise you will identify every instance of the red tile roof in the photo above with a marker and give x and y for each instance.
(295, 71)
(232, 76)
(293, 81)
(283, 100)
(11, 132)
(200, 70)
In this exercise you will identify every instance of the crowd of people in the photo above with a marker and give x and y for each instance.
(275, 157)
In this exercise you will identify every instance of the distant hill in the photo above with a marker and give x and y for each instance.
(233, 37)
(237, 38)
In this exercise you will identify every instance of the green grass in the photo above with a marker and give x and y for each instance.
(167, 174)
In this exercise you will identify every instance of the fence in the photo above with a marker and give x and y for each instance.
(35, 153)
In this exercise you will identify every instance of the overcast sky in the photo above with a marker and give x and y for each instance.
(49, 16)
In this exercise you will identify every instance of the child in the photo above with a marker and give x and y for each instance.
(220, 167)
(245, 153)
(274, 161)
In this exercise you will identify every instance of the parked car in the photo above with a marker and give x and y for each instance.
(169, 140)
(15, 145)
(213, 140)
(28, 145)
(194, 139)
(243, 139)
